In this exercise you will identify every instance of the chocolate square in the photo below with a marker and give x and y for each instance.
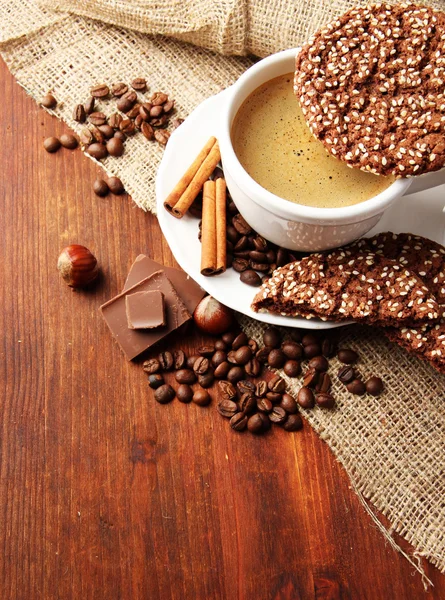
(145, 310)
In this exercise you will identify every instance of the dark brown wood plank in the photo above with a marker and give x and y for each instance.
(104, 493)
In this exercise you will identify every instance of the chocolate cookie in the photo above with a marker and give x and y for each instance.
(371, 87)
(427, 342)
(349, 283)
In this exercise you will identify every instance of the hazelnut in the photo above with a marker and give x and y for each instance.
(213, 317)
(77, 266)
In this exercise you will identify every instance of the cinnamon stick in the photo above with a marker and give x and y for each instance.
(208, 231)
(195, 185)
(181, 186)
(220, 212)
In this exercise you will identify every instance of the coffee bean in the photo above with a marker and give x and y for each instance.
(166, 360)
(49, 101)
(274, 397)
(243, 355)
(271, 257)
(207, 350)
(323, 383)
(144, 111)
(100, 187)
(292, 368)
(241, 225)
(164, 394)
(86, 137)
(158, 98)
(346, 374)
(258, 257)
(305, 397)
(244, 254)
(259, 243)
(266, 421)
(235, 374)
(107, 131)
(155, 380)
(264, 405)
(245, 387)
(138, 122)
(191, 361)
(227, 408)
(119, 89)
(293, 423)
(124, 104)
(127, 126)
(151, 366)
(227, 390)
(240, 340)
(240, 265)
(220, 345)
(229, 337)
(115, 147)
(278, 415)
(169, 106)
(255, 424)
(201, 365)
(261, 389)
(253, 346)
(206, 379)
(242, 244)
(232, 234)
(116, 186)
(79, 114)
(97, 151)
(185, 376)
(325, 400)
(347, 356)
(139, 84)
(288, 404)
(310, 378)
(218, 358)
(184, 393)
(238, 422)
(253, 367)
(272, 337)
(282, 257)
(247, 403)
(133, 113)
(296, 335)
(309, 339)
(263, 354)
(292, 350)
(222, 370)
(97, 134)
(51, 144)
(328, 347)
(69, 141)
(231, 357)
(155, 112)
(262, 267)
(357, 387)
(319, 363)
(270, 271)
(276, 358)
(311, 350)
(162, 136)
(147, 131)
(89, 105)
(277, 384)
(201, 397)
(100, 91)
(374, 386)
(179, 359)
(97, 118)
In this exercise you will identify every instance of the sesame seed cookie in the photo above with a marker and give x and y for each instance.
(349, 283)
(371, 86)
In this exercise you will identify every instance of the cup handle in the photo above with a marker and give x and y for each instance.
(426, 182)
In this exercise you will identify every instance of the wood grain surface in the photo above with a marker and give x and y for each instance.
(106, 494)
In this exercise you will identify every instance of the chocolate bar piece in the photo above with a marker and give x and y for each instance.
(135, 341)
(145, 310)
(190, 292)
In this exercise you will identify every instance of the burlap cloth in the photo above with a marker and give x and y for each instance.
(392, 447)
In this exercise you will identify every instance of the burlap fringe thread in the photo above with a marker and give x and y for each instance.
(392, 447)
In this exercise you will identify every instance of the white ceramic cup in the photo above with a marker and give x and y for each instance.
(285, 223)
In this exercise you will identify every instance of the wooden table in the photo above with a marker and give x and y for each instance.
(106, 494)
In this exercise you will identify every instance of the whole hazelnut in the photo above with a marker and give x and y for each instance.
(77, 266)
(213, 317)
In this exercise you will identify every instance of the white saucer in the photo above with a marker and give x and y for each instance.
(420, 213)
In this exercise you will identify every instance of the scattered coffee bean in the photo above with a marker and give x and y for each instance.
(169, 106)
(49, 101)
(241, 225)
(235, 374)
(305, 398)
(374, 386)
(222, 370)
(51, 144)
(100, 188)
(255, 423)
(119, 89)
(155, 380)
(311, 350)
(292, 350)
(245, 387)
(97, 151)
(347, 356)
(218, 358)
(309, 338)
(185, 376)
(184, 393)
(278, 415)
(276, 358)
(179, 359)
(289, 404)
(165, 393)
(191, 361)
(261, 389)
(69, 141)
(220, 345)
(277, 384)
(97, 134)
(115, 147)
(253, 346)
(272, 337)
(134, 113)
(86, 137)
(158, 98)
(274, 397)
(166, 360)
(229, 337)
(263, 354)
(207, 350)
(240, 340)
(206, 380)
(156, 111)
(127, 126)
(328, 347)
(100, 91)
(266, 421)
(231, 357)
(238, 422)
(162, 136)
(250, 277)
(253, 368)
(293, 423)
(325, 400)
(139, 84)
(310, 378)
(282, 257)
(227, 390)
(292, 368)
(227, 408)
(264, 405)
(116, 186)
(243, 355)
(97, 118)
(124, 104)
(151, 366)
(323, 383)
(201, 365)
(201, 397)
(319, 363)
(346, 374)
(247, 403)
(357, 387)
(89, 105)
(79, 114)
